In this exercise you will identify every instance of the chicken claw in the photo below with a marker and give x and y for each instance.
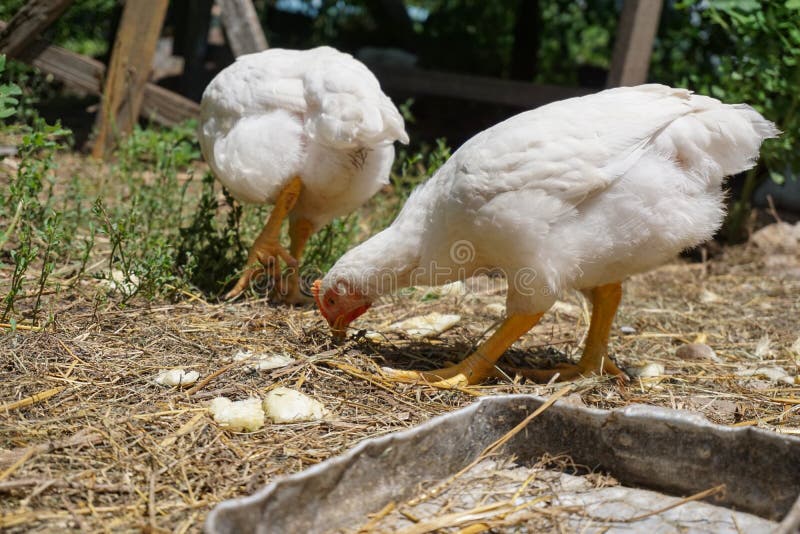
(262, 259)
(571, 371)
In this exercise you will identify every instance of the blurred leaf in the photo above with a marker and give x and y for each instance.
(777, 177)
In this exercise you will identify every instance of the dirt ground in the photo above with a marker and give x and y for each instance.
(88, 442)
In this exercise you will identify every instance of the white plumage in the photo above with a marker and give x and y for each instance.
(318, 114)
(578, 194)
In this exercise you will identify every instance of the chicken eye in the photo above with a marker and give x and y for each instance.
(331, 302)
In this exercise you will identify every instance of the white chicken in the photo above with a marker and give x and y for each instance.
(310, 131)
(578, 194)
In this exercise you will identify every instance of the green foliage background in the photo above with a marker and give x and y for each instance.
(735, 50)
(166, 231)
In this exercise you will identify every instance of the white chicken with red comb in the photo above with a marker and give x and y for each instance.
(309, 131)
(579, 194)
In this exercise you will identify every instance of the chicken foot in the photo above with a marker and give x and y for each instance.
(266, 250)
(300, 229)
(479, 365)
(595, 359)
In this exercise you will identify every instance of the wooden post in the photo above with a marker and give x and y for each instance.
(636, 32)
(242, 27)
(128, 71)
(27, 25)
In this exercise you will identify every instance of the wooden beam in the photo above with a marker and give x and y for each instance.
(86, 74)
(28, 24)
(242, 28)
(636, 32)
(467, 87)
(165, 107)
(131, 63)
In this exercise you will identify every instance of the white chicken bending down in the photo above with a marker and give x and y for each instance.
(309, 131)
(578, 194)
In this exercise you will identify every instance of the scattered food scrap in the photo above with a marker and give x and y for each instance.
(776, 374)
(240, 415)
(649, 370)
(117, 281)
(284, 405)
(176, 377)
(264, 361)
(430, 325)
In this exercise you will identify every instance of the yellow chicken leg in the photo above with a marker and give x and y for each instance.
(595, 358)
(267, 249)
(480, 364)
(300, 229)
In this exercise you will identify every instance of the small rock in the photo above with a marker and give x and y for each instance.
(779, 237)
(705, 405)
(496, 309)
(284, 405)
(430, 325)
(627, 330)
(696, 351)
(231, 415)
(649, 370)
(176, 377)
(785, 266)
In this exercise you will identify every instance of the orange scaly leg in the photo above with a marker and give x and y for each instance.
(595, 358)
(267, 249)
(300, 230)
(480, 364)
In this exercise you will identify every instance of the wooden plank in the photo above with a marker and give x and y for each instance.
(165, 107)
(466, 87)
(86, 74)
(27, 25)
(636, 32)
(131, 63)
(242, 28)
(76, 71)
